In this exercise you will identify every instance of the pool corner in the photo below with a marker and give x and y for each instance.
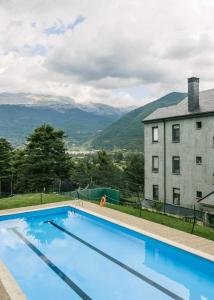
(9, 289)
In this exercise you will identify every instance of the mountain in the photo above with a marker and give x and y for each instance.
(25, 112)
(127, 132)
(59, 103)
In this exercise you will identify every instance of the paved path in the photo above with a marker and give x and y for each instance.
(3, 293)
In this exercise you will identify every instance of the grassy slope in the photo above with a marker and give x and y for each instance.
(166, 220)
(127, 132)
(30, 199)
(35, 199)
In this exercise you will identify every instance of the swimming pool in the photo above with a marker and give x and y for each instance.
(65, 253)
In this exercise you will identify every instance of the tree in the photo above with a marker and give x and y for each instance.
(98, 169)
(82, 172)
(134, 172)
(5, 161)
(118, 156)
(21, 177)
(45, 159)
(106, 173)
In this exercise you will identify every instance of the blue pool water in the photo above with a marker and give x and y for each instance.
(61, 254)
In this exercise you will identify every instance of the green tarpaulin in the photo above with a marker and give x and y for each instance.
(113, 196)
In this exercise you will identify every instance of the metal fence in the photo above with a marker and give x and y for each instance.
(112, 195)
(173, 209)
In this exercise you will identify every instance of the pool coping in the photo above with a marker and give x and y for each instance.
(11, 290)
(10, 285)
(151, 235)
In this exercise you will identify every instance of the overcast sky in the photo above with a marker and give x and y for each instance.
(118, 52)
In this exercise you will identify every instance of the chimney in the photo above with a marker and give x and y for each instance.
(193, 93)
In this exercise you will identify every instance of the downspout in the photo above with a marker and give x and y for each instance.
(164, 150)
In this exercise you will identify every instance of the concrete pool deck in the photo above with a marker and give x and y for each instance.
(9, 290)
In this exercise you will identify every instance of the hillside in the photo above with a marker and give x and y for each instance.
(27, 111)
(127, 132)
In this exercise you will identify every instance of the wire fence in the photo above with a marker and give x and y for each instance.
(136, 200)
(173, 209)
(95, 194)
(124, 196)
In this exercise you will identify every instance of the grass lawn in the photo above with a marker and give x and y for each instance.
(35, 199)
(30, 199)
(169, 221)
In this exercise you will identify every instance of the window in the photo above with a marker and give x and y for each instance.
(155, 163)
(176, 164)
(176, 196)
(198, 194)
(155, 134)
(155, 192)
(176, 133)
(198, 125)
(198, 160)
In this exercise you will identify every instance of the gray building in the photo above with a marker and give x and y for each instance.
(179, 151)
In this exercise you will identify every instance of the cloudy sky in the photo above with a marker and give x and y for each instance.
(118, 52)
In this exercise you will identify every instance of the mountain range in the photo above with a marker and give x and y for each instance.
(93, 125)
(25, 112)
(127, 132)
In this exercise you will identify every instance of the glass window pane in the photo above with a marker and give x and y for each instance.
(155, 163)
(176, 133)
(198, 125)
(176, 196)
(176, 164)
(155, 192)
(198, 194)
(155, 134)
(198, 160)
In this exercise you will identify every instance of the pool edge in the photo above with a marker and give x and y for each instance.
(76, 204)
(150, 235)
(10, 285)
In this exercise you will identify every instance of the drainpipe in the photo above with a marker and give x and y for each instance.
(164, 150)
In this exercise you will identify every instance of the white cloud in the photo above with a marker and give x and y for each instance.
(118, 44)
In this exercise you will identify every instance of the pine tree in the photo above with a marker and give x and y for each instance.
(5, 162)
(134, 172)
(45, 158)
(106, 173)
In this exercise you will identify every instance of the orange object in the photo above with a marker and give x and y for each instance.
(103, 201)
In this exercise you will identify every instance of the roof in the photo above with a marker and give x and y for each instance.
(206, 102)
(208, 200)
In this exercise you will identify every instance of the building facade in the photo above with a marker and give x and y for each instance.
(179, 150)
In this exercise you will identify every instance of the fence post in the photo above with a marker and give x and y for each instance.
(194, 220)
(41, 198)
(139, 204)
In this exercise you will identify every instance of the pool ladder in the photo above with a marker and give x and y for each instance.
(77, 202)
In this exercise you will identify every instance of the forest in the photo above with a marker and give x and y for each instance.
(44, 164)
